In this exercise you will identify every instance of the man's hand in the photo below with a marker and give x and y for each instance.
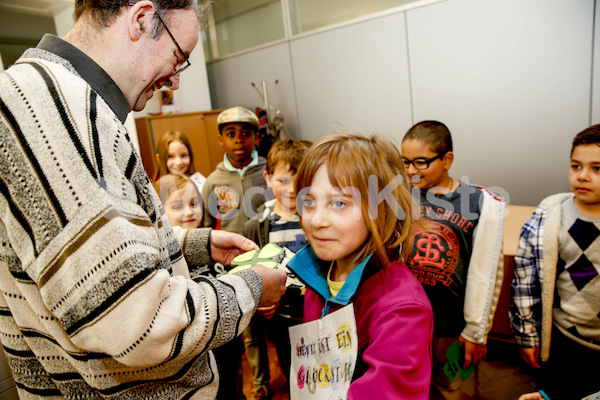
(531, 355)
(225, 246)
(273, 284)
(473, 352)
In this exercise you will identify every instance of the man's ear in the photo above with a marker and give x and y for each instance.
(139, 18)
(268, 178)
(448, 160)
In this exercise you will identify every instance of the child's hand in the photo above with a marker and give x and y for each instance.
(473, 352)
(531, 355)
(267, 312)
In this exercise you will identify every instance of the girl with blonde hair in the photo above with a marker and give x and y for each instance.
(174, 155)
(355, 207)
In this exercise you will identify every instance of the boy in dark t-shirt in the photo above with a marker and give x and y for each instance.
(456, 253)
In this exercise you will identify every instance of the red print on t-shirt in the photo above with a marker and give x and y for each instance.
(435, 254)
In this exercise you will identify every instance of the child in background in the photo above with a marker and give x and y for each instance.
(181, 200)
(456, 257)
(183, 206)
(278, 223)
(556, 287)
(224, 208)
(350, 259)
(174, 156)
(241, 170)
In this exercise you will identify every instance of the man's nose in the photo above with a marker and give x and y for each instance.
(173, 82)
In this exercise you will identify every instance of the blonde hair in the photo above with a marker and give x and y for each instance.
(162, 149)
(351, 160)
(169, 184)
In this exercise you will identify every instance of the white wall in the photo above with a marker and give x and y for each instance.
(64, 21)
(354, 78)
(194, 92)
(512, 79)
(231, 81)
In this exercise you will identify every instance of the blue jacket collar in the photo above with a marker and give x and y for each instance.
(313, 272)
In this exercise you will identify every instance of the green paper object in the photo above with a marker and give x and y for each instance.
(268, 256)
(455, 363)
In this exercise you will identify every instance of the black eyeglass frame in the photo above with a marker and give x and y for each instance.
(427, 161)
(187, 62)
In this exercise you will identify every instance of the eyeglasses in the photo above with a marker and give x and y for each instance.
(186, 62)
(185, 65)
(421, 163)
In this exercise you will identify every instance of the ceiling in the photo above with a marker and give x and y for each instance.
(47, 8)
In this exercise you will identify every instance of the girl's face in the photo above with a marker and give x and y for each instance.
(183, 207)
(333, 221)
(178, 158)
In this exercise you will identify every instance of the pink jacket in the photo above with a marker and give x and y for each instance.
(394, 321)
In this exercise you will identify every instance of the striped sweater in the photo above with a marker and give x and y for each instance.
(95, 296)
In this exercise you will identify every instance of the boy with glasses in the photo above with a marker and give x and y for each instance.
(456, 254)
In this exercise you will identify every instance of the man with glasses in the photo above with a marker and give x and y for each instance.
(95, 295)
(455, 256)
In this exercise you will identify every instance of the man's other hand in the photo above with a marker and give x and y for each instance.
(273, 284)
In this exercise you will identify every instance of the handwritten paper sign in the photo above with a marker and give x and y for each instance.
(324, 356)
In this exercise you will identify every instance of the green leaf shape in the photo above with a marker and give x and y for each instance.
(266, 257)
(244, 258)
(271, 250)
